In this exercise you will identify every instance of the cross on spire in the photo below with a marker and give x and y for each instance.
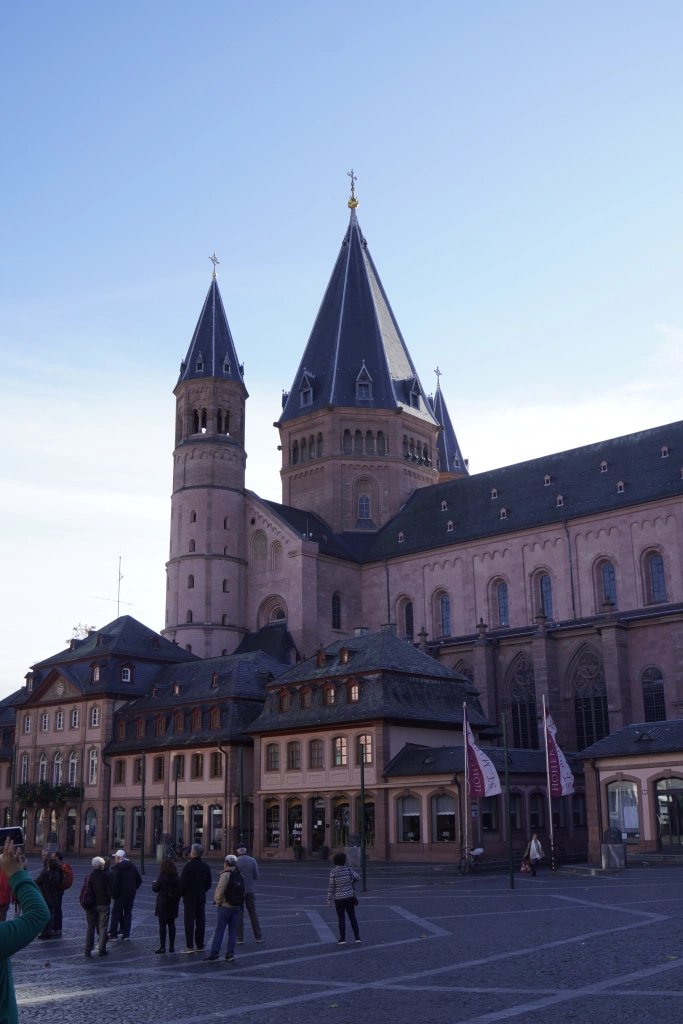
(216, 262)
(439, 375)
(353, 202)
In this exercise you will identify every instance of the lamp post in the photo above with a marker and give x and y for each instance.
(507, 799)
(142, 838)
(175, 801)
(241, 794)
(362, 816)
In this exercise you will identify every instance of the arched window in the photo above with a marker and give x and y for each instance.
(295, 453)
(203, 421)
(657, 578)
(365, 742)
(363, 507)
(502, 603)
(276, 556)
(304, 450)
(609, 583)
(195, 422)
(140, 728)
(406, 450)
(408, 819)
(95, 717)
(381, 443)
(319, 446)
(40, 827)
(191, 546)
(346, 442)
(161, 725)
(188, 617)
(354, 693)
(284, 701)
(188, 648)
(546, 594)
(653, 695)
(42, 768)
(369, 443)
(92, 767)
(409, 628)
(336, 611)
(358, 443)
(215, 720)
(522, 689)
(443, 818)
(121, 730)
(193, 517)
(259, 552)
(57, 769)
(196, 720)
(590, 700)
(445, 609)
(306, 699)
(73, 769)
(219, 422)
(190, 582)
(179, 722)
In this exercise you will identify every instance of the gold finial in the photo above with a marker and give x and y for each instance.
(216, 262)
(353, 202)
(439, 375)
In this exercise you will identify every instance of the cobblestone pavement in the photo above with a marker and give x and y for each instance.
(435, 949)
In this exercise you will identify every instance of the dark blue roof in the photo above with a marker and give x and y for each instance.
(212, 350)
(450, 456)
(355, 337)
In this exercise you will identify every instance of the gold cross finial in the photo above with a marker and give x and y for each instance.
(353, 202)
(216, 262)
(439, 375)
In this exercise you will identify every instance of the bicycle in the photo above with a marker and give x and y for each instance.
(470, 862)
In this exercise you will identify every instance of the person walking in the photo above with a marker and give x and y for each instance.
(340, 889)
(533, 853)
(16, 934)
(126, 880)
(229, 898)
(195, 882)
(249, 869)
(67, 882)
(100, 882)
(49, 881)
(167, 888)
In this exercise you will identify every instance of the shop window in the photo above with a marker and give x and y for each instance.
(272, 824)
(622, 803)
(537, 812)
(489, 813)
(579, 810)
(408, 819)
(443, 818)
(295, 824)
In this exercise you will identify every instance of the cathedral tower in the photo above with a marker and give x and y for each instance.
(358, 434)
(205, 585)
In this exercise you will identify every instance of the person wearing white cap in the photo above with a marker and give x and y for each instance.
(126, 880)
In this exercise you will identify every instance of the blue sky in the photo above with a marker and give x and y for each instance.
(519, 171)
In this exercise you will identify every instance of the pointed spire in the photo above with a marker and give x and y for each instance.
(450, 456)
(355, 326)
(212, 351)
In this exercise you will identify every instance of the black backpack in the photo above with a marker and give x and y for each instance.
(173, 889)
(234, 893)
(87, 896)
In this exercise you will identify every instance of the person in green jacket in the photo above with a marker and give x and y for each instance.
(16, 934)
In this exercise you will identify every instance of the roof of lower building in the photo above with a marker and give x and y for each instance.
(124, 637)
(273, 639)
(641, 738)
(212, 351)
(415, 759)
(356, 340)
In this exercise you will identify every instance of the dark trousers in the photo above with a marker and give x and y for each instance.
(250, 904)
(346, 907)
(122, 916)
(534, 864)
(58, 911)
(98, 919)
(49, 929)
(195, 924)
(227, 917)
(164, 923)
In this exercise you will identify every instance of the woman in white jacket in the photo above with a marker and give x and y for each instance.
(534, 852)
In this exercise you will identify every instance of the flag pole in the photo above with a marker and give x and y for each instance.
(507, 800)
(550, 799)
(467, 778)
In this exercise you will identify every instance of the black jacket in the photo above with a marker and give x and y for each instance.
(195, 881)
(100, 883)
(126, 880)
(167, 888)
(49, 881)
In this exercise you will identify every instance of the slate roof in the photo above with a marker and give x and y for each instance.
(212, 345)
(125, 637)
(273, 639)
(450, 455)
(640, 738)
(347, 545)
(355, 331)
(415, 759)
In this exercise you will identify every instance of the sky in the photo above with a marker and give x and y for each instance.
(519, 176)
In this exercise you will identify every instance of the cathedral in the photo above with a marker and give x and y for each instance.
(347, 625)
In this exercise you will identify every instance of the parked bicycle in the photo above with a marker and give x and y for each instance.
(559, 853)
(470, 861)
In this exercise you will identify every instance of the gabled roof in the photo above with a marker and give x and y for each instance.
(450, 456)
(212, 351)
(273, 639)
(640, 738)
(414, 759)
(124, 637)
(355, 328)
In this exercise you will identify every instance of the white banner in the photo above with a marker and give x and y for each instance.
(559, 772)
(481, 775)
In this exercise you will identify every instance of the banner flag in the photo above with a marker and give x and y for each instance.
(481, 775)
(559, 773)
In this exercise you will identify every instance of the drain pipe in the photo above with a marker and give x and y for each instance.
(571, 570)
(386, 570)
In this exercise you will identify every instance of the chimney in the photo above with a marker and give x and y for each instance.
(388, 627)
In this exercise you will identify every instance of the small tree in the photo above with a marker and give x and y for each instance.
(81, 631)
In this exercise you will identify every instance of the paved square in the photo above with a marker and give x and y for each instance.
(435, 948)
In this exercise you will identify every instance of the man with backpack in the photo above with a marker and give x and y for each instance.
(67, 882)
(95, 899)
(229, 898)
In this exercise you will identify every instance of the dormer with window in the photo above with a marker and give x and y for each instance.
(96, 673)
(503, 513)
(196, 720)
(306, 699)
(344, 656)
(126, 674)
(328, 696)
(546, 480)
(214, 680)
(214, 718)
(363, 385)
(320, 659)
(140, 728)
(444, 506)
(603, 467)
(29, 675)
(306, 389)
(284, 701)
(176, 689)
(620, 487)
(401, 538)
(560, 500)
(179, 721)
(226, 364)
(413, 393)
(665, 452)
(121, 730)
(161, 725)
(494, 492)
(200, 363)
(449, 526)
(353, 693)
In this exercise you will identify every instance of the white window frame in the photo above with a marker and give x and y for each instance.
(59, 721)
(125, 675)
(27, 724)
(23, 776)
(75, 718)
(94, 717)
(42, 768)
(73, 769)
(45, 722)
(92, 767)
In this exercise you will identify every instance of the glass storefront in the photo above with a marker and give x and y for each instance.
(272, 824)
(317, 824)
(90, 828)
(409, 820)
(295, 825)
(443, 818)
(119, 828)
(622, 802)
(670, 813)
(341, 820)
(369, 821)
(215, 827)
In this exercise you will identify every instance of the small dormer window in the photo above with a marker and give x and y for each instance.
(401, 538)
(503, 513)
(456, 462)
(121, 730)
(284, 701)
(306, 389)
(603, 467)
(344, 656)
(200, 365)
(176, 689)
(546, 481)
(665, 452)
(96, 674)
(444, 506)
(307, 397)
(125, 675)
(449, 526)
(364, 385)
(214, 680)
(414, 400)
(155, 641)
(320, 659)
(494, 492)
(560, 500)
(620, 487)
(226, 365)
(328, 696)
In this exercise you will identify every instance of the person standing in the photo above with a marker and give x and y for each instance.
(167, 888)
(67, 882)
(126, 880)
(16, 934)
(534, 852)
(49, 881)
(100, 882)
(249, 869)
(229, 898)
(195, 882)
(340, 889)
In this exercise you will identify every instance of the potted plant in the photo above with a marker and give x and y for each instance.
(324, 852)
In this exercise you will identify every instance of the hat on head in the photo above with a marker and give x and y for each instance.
(120, 853)
(241, 847)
